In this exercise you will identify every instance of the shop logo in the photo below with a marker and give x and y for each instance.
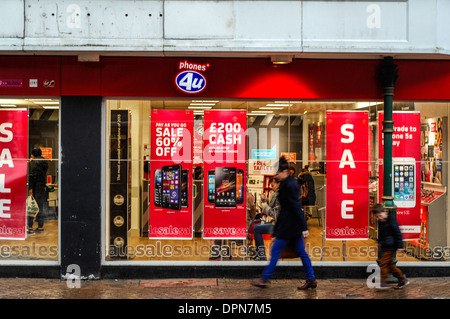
(191, 80)
(49, 83)
(11, 83)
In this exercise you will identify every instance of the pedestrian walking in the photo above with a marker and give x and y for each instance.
(289, 227)
(389, 241)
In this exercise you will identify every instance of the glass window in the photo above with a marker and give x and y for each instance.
(29, 170)
(171, 197)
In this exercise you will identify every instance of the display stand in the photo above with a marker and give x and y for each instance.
(433, 232)
(267, 188)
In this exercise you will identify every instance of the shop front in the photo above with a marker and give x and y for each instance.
(161, 166)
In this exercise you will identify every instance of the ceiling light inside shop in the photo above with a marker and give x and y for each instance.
(210, 104)
(8, 105)
(261, 112)
(271, 108)
(199, 107)
(47, 102)
(278, 104)
(53, 107)
(360, 105)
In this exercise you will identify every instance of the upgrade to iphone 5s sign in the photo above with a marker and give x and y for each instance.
(347, 175)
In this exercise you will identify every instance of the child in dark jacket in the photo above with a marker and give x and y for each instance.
(389, 240)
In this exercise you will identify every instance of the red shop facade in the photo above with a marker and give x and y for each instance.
(82, 88)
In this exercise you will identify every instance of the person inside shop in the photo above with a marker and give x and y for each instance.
(251, 207)
(389, 241)
(37, 187)
(292, 170)
(290, 227)
(307, 191)
(270, 210)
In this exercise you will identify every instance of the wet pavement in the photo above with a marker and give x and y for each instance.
(217, 288)
(225, 298)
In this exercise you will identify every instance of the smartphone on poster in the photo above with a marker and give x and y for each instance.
(240, 187)
(184, 188)
(158, 187)
(211, 186)
(404, 184)
(225, 181)
(171, 186)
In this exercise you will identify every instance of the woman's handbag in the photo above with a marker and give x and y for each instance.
(289, 250)
(32, 207)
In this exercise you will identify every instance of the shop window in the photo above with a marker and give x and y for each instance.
(30, 138)
(168, 161)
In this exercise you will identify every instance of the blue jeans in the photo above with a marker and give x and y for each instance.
(277, 247)
(258, 231)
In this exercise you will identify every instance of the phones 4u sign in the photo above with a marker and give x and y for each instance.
(189, 79)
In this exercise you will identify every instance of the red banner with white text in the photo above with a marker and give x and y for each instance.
(13, 173)
(347, 175)
(170, 193)
(405, 170)
(224, 155)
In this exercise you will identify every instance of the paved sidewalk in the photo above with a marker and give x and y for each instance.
(217, 289)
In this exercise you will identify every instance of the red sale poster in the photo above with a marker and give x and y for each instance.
(224, 155)
(170, 198)
(347, 175)
(13, 173)
(405, 170)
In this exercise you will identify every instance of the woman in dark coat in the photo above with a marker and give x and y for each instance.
(37, 186)
(289, 227)
(306, 178)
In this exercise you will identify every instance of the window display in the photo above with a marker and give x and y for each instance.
(194, 173)
(29, 174)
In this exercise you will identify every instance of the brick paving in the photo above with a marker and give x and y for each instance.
(217, 289)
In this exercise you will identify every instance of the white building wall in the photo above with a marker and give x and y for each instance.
(227, 28)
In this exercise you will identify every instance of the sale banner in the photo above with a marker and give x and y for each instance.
(13, 173)
(170, 196)
(405, 170)
(224, 158)
(347, 175)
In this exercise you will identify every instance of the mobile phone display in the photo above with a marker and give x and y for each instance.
(158, 188)
(184, 188)
(211, 187)
(404, 184)
(240, 186)
(171, 177)
(225, 181)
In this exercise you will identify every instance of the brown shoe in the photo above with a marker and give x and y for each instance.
(260, 283)
(310, 283)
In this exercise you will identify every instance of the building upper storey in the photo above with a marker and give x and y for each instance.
(244, 28)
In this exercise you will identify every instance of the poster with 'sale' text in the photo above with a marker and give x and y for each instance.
(170, 195)
(224, 155)
(13, 173)
(347, 196)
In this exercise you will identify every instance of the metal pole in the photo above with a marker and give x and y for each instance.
(388, 77)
